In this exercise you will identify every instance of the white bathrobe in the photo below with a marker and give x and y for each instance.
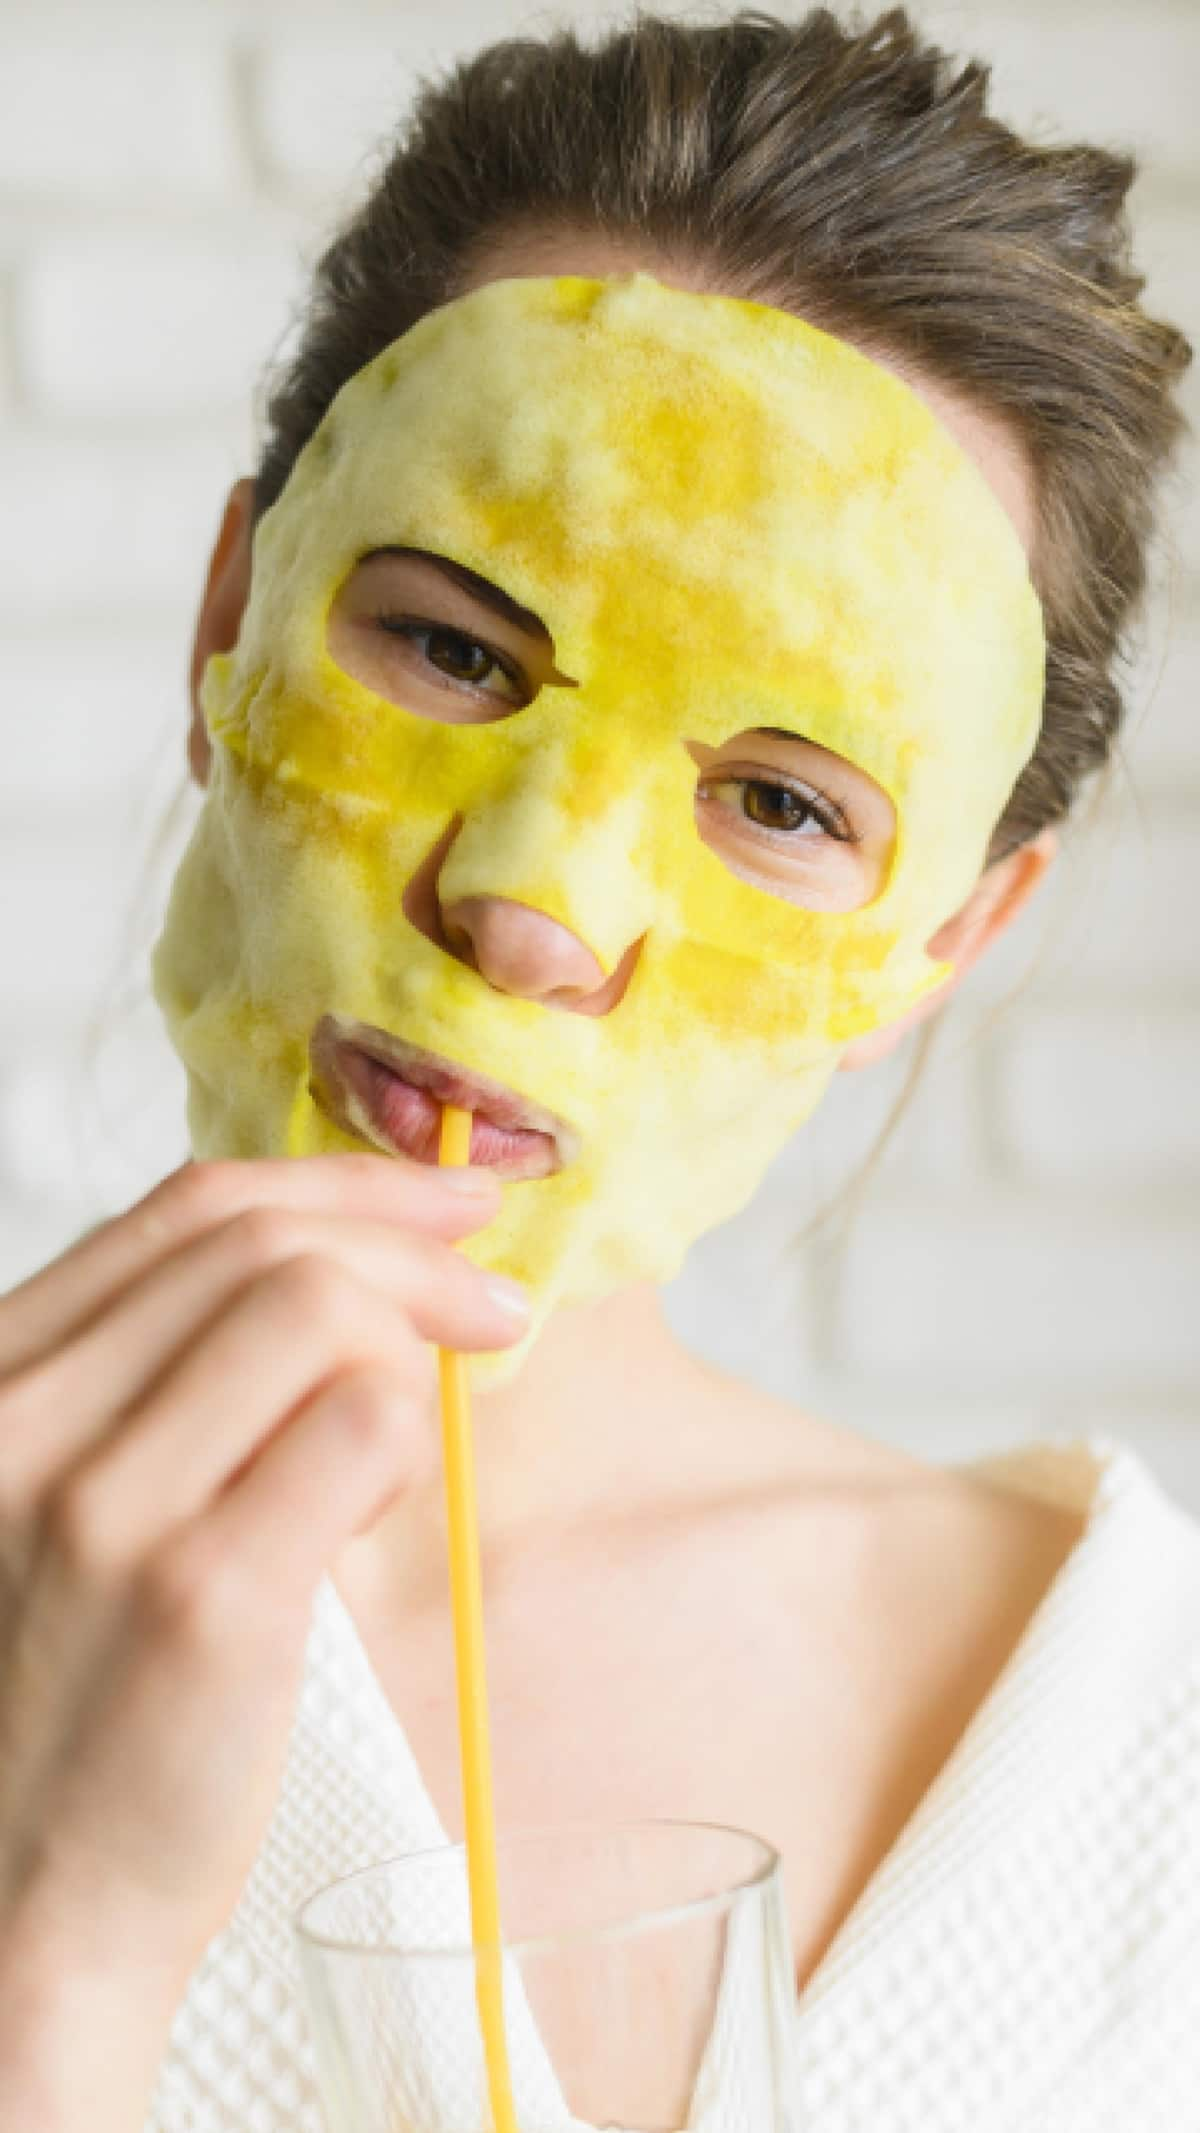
(1025, 1960)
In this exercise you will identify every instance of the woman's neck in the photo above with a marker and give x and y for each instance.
(601, 1415)
(610, 1418)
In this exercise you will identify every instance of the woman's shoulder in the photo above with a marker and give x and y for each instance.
(1051, 1878)
(1128, 1589)
(1128, 1522)
(1095, 1728)
(1099, 1745)
(1090, 1731)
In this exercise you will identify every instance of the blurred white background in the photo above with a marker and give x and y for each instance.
(1026, 1259)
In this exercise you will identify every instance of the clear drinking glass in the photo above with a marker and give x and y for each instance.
(648, 1986)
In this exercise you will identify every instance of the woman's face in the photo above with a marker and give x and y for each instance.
(778, 809)
(630, 686)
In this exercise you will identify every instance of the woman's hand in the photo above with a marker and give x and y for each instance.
(199, 1405)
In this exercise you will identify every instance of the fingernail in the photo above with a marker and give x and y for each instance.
(509, 1296)
(472, 1184)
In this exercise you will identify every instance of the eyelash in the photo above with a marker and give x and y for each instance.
(411, 629)
(819, 806)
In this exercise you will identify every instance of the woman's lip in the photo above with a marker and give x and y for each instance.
(398, 1101)
(409, 1119)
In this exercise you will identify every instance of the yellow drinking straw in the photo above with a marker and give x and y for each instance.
(475, 1748)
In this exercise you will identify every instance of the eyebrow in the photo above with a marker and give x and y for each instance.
(481, 589)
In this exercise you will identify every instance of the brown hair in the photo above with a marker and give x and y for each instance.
(853, 175)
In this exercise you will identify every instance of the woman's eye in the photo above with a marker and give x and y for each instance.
(785, 810)
(460, 658)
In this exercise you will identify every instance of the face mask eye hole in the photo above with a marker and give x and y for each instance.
(794, 820)
(437, 640)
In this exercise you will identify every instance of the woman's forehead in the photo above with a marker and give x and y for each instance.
(627, 405)
(712, 506)
(988, 438)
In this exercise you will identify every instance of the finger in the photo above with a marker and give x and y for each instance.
(263, 1544)
(212, 1411)
(174, 1326)
(62, 1297)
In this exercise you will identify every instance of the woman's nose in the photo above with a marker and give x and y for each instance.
(522, 951)
(514, 947)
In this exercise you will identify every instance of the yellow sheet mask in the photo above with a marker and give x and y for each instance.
(727, 520)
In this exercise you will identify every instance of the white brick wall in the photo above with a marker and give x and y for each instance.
(97, 528)
(1067, 1094)
(102, 105)
(91, 348)
(1027, 1257)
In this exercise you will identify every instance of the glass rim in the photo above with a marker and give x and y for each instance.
(768, 1866)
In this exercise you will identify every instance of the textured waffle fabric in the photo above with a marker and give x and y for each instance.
(1026, 1959)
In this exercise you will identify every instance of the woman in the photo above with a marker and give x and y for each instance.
(945, 1696)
